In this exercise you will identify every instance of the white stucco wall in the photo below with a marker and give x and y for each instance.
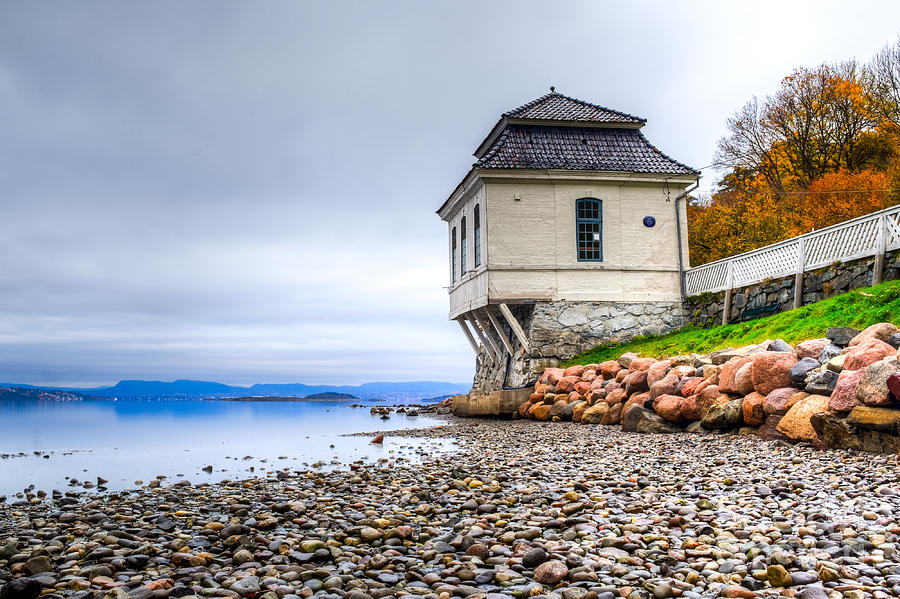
(529, 241)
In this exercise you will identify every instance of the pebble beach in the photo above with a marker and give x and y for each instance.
(522, 509)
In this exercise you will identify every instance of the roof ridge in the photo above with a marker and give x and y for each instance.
(512, 113)
(534, 102)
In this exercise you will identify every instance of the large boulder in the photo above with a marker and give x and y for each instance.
(728, 372)
(609, 369)
(576, 370)
(872, 389)
(724, 413)
(567, 384)
(578, 409)
(595, 413)
(551, 376)
(841, 335)
(641, 363)
(668, 385)
(613, 415)
(769, 430)
(801, 369)
(779, 345)
(834, 431)
(569, 410)
(881, 331)
(811, 348)
(559, 408)
(752, 409)
(781, 400)
(821, 382)
(540, 411)
(743, 379)
(724, 355)
(625, 359)
(636, 382)
(669, 407)
(639, 419)
(843, 398)
(796, 423)
(885, 420)
(616, 396)
(582, 387)
(657, 371)
(772, 370)
(866, 353)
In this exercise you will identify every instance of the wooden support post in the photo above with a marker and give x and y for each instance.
(489, 349)
(726, 310)
(497, 327)
(516, 327)
(468, 333)
(880, 247)
(486, 327)
(798, 278)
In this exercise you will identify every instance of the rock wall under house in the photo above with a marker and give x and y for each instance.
(561, 330)
(777, 295)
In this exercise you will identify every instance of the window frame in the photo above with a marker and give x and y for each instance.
(462, 247)
(585, 222)
(453, 255)
(476, 232)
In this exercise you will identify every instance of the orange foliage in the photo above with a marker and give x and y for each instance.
(825, 148)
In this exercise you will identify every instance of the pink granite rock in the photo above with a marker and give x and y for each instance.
(728, 371)
(772, 370)
(743, 380)
(881, 331)
(780, 401)
(669, 407)
(811, 348)
(752, 408)
(843, 398)
(867, 352)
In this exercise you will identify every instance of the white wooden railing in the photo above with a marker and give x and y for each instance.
(869, 235)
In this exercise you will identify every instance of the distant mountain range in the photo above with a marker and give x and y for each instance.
(187, 389)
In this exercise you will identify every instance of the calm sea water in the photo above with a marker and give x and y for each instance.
(129, 440)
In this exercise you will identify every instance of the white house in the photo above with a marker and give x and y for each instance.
(569, 231)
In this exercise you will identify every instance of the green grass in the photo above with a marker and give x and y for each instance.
(858, 308)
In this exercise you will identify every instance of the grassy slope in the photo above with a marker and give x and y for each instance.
(858, 308)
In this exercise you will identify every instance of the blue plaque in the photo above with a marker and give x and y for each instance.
(649, 221)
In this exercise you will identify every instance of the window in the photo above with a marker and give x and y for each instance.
(462, 246)
(589, 226)
(477, 233)
(453, 255)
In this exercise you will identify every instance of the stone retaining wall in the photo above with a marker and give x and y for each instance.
(777, 295)
(561, 330)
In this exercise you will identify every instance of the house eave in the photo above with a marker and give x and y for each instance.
(516, 174)
(461, 191)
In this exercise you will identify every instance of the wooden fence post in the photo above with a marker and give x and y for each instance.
(729, 278)
(878, 269)
(798, 278)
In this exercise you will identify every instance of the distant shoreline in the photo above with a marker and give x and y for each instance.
(320, 397)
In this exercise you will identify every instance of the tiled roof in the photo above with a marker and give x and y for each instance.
(557, 107)
(578, 148)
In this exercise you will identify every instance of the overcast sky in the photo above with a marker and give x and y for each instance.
(245, 191)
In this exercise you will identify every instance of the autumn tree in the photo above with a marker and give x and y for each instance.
(824, 148)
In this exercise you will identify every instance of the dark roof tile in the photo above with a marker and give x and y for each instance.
(578, 148)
